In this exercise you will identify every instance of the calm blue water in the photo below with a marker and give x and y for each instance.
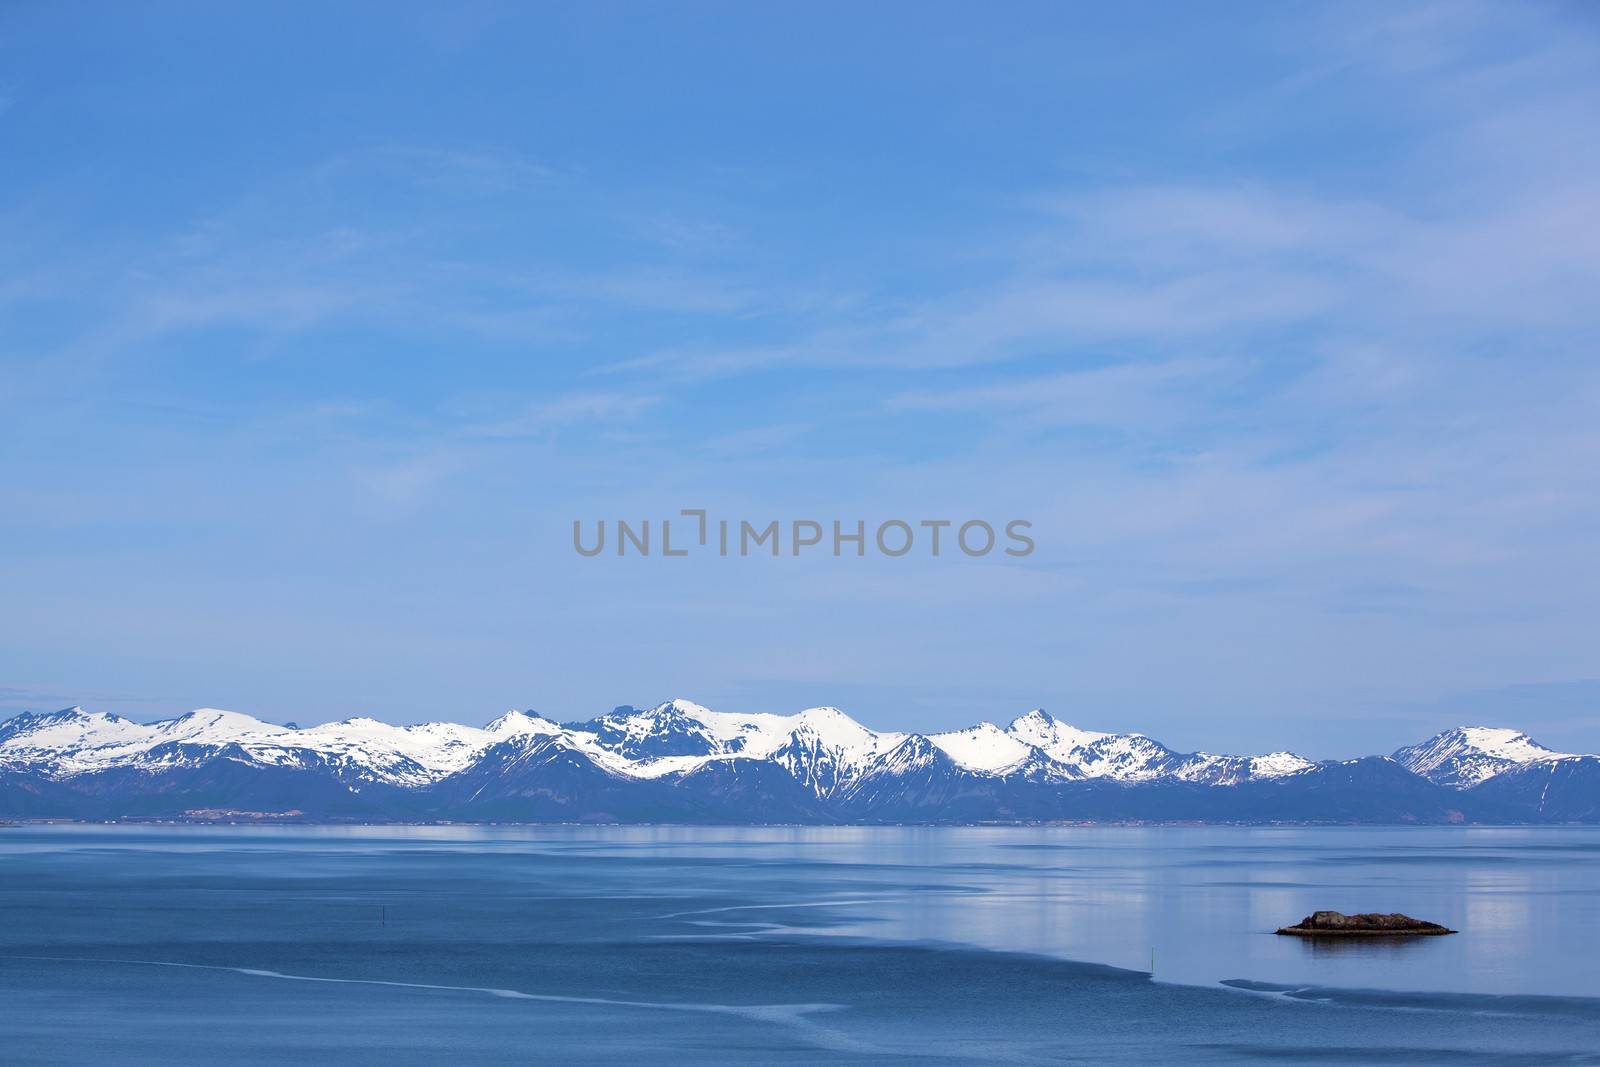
(394, 946)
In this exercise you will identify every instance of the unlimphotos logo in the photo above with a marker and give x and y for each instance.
(741, 537)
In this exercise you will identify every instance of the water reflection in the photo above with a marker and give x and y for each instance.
(1207, 900)
(1367, 947)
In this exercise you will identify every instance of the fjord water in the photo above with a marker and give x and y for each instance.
(791, 945)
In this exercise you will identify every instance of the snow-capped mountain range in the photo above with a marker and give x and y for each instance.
(679, 761)
(672, 738)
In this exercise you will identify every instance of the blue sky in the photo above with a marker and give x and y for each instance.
(318, 329)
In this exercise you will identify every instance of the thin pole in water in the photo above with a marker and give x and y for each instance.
(1152, 961)
(383, 920)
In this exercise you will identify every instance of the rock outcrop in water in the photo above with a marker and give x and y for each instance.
(1367, 924)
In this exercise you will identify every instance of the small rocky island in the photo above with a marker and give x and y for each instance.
(1367, 924)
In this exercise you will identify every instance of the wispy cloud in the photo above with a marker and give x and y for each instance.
(544, 415)
(1126, 396)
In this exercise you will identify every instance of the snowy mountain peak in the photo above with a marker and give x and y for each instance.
(1467, 755)
(213, 725)
(984, 747)
(1509, 744)
(1278, 764)
(828, 717)
(675, 728)
(74, 714)
(825, 711)
(679, 706)
(71, 740)
(1058, 740)
(514, 723)
(836, 729)
(68, 726)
